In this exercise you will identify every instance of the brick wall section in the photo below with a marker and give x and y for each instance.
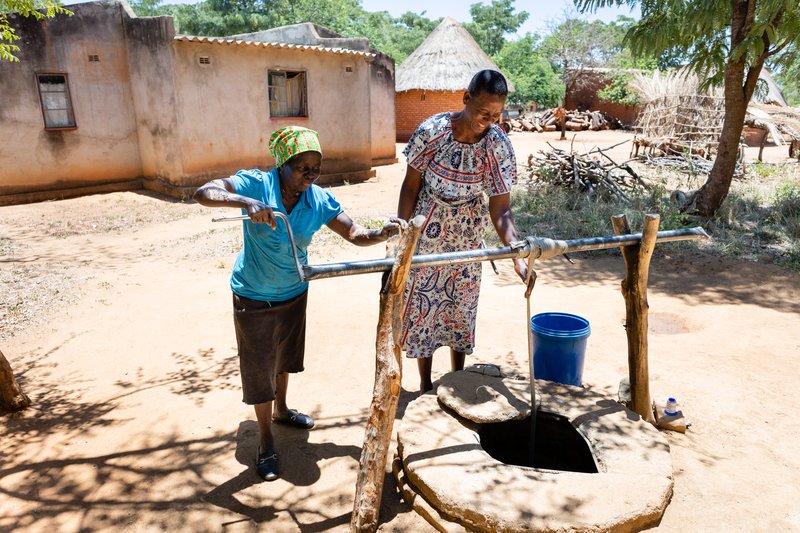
(584, 97)
(412, 107)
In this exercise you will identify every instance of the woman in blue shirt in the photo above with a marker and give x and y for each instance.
(269, 300)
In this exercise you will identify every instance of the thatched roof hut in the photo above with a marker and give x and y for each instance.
(445, 61)
(434, 77)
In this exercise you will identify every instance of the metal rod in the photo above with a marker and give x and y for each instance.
(539, 247)
(542, 248)
(285, 219)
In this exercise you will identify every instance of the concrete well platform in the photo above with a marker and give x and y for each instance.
(463, 488)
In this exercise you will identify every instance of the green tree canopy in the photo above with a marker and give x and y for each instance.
(530, 72)
(396, 37)
(38, 9)
(490, 23)
(789, 80)
(576, 43)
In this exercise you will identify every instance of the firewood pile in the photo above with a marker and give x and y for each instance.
(551, 120)
(593, 172)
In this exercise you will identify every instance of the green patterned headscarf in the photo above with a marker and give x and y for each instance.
(287, 142)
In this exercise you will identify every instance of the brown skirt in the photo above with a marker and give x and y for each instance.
(271, 338)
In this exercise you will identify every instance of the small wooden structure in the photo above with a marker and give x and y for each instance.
(680, 124)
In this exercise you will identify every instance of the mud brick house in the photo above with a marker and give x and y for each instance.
(105, 100)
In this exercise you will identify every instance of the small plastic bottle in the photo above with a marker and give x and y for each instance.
(672, 406)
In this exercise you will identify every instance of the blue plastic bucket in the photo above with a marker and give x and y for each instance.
(559, 347)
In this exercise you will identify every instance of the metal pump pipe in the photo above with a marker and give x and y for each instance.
(540, 247)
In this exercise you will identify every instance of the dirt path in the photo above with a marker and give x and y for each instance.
(138, 423)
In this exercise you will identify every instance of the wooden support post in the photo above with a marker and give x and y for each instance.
(561, 116)
(634, 290)
(761, 146)
(388, 377)
(11, 396)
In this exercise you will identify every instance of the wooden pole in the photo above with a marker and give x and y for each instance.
(561, 116)
(634, 290)
(11, 396)
(385, 394)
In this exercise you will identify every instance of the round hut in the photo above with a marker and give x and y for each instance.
(434, 77)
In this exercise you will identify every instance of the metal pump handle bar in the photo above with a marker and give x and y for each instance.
(285, 219)
(538, 247)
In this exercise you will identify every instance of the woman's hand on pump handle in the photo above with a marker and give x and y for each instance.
(394, 225)
(261, 213)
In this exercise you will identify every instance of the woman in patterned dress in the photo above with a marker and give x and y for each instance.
(454, 161)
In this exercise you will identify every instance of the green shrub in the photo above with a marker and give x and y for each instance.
(550, 211)
(786, 208)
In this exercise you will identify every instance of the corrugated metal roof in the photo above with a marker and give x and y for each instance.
(303, 47)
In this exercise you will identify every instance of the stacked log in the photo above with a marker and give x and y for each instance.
(550, 120)
(593, 172)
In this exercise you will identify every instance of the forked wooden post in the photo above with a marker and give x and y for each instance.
(634, 290)
(385, 394)
(11, 396)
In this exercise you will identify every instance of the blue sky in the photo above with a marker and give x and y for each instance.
(541, 12)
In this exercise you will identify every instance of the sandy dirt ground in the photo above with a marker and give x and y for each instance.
(138, 423)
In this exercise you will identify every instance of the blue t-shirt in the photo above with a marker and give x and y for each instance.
(265, 268)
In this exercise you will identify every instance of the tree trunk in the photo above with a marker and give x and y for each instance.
(388, 377)
(634, 290)
(739, 88)
(11, 396)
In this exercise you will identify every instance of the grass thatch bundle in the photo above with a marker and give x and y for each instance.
(669, 84)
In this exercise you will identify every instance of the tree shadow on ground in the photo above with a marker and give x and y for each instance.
(298, 460)
(106, 491)
(194, 376)
(42, 465)
(692, 276)
(43, 470)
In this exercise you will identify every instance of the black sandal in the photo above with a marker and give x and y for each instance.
(297, 419)
(267, 464)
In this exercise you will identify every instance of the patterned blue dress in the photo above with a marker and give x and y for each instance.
(442, 302)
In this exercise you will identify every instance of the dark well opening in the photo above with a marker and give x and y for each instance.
(559, 446)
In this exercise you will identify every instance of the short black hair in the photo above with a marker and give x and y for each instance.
(488, 81)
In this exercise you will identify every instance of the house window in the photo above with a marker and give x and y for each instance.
(56, 104)
(204, 60)
(287, 94)
(94, 58)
